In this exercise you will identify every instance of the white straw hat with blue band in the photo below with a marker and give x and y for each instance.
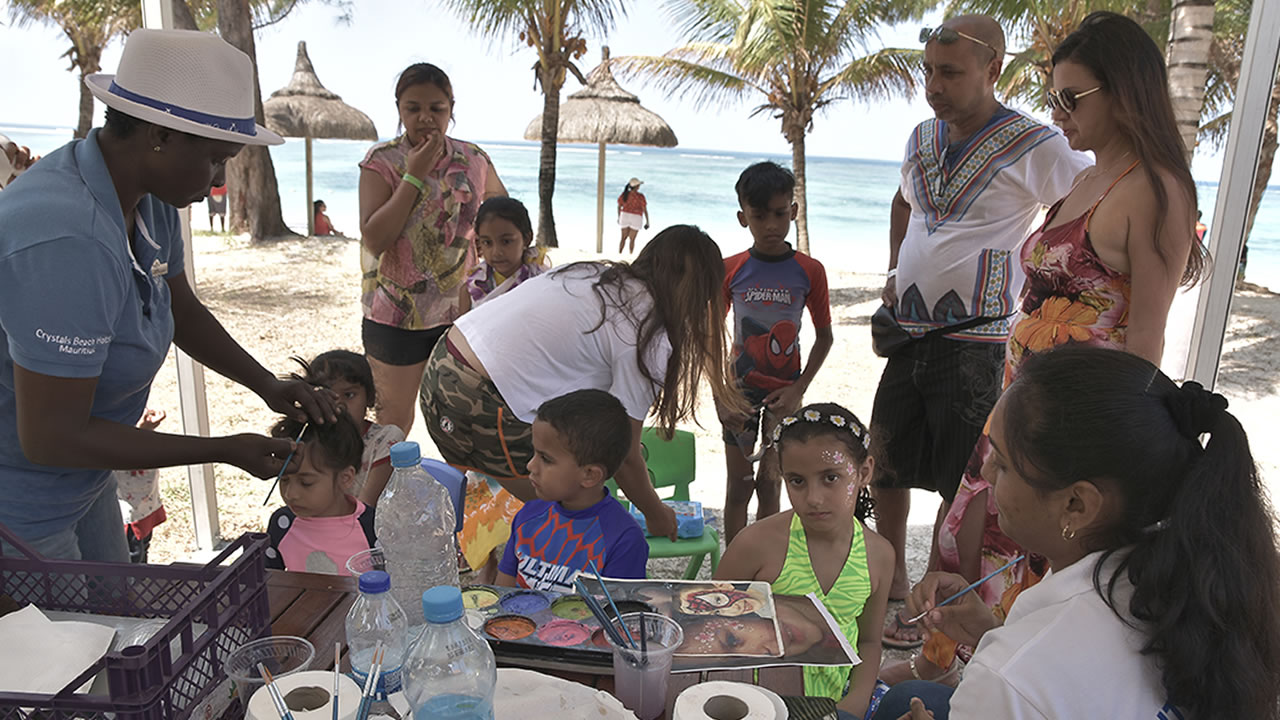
(193, 82)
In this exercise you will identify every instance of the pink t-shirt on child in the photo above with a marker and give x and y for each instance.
(318, 544)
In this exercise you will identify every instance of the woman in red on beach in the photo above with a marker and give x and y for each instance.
(633, 213)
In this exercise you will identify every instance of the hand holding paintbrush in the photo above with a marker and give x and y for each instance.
(947, 603)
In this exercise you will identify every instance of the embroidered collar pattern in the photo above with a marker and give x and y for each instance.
(948, 195)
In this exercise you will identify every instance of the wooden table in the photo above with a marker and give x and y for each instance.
(315, 607)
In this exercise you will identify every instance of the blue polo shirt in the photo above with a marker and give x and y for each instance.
(77, 301)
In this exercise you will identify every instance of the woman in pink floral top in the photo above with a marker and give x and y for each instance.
(418, 199)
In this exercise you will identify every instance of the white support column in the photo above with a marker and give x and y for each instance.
(1244, 140)
(191, 398)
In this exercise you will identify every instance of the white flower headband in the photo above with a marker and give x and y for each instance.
(814, 416)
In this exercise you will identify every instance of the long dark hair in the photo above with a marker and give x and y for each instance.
(1131, 70)
(626, 193)
(1194, 525)
(682, 271)
(509, 209)
(850, 432)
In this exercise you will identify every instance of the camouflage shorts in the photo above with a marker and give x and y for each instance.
(471, 424)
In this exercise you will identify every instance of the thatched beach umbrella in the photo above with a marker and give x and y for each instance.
(604, 113)
(305, 109)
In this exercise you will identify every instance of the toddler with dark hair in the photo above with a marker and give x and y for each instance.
(580, 440)
(321, 524)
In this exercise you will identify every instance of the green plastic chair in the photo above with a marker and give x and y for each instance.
(672, 464)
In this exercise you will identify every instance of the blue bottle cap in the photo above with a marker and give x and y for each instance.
(405, 454)
(375, 581)
(442, 604)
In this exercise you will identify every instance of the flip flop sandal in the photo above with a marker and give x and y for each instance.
(898, 626)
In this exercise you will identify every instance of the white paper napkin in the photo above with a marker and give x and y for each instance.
(52, 653)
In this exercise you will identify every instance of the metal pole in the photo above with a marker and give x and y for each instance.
(1244, 141)
(191, 397)
(311, 213)
(600, 202)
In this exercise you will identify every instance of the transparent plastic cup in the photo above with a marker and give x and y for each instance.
(366, 560)
(640, 674)
(282, 655)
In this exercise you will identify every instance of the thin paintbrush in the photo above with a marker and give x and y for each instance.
(370, 683)
(601, 616)
(276, 698)
(337, 675)
(284, 467)
(971, 586)
(630, 640)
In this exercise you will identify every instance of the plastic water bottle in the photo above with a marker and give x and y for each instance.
(415, 524)
(377, 617)
(449, 673)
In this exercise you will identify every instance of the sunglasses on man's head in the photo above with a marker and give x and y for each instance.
(1065, 99)
(946, 36)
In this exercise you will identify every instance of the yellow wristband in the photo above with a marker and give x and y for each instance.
(413, 181)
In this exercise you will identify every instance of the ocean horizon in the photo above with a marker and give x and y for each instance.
(848, 198)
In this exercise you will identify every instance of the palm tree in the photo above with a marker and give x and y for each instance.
(556, 30)
(1190, 40)
(251, 176)
(1230, 23)
(797, 56)
(90, 25)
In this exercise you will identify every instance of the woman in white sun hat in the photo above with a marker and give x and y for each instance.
(633, 213)
(93, 292)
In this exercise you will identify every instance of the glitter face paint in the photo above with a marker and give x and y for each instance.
(564, 633)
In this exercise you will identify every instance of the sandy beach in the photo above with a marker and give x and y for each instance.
(301, 297)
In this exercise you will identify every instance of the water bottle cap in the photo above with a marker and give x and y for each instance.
(405, 454)
(442, 604)
(375, 581)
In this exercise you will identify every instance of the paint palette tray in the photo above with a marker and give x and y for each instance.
(541, 629)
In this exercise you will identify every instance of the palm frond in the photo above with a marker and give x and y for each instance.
(1213, 132)
(878, 76)
(709, 20)
(684, 79)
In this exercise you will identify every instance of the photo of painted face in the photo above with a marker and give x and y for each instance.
(724, 600)
(803, 634)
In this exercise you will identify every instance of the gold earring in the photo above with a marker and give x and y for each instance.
(1067, 533)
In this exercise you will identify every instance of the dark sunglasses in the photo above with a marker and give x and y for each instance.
(1066, 99)
(946, 36)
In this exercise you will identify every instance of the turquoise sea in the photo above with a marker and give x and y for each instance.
(848, 198)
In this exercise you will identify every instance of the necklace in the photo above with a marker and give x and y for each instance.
(1098, 172)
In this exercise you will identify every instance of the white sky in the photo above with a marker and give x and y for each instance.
(493, 81)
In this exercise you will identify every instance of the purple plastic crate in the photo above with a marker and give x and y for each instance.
(169, 675)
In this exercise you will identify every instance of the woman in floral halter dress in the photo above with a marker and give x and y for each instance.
(1102, 270)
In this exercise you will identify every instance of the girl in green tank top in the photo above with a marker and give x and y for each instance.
(821, 546)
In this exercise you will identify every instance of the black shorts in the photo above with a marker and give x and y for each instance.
(930, 408)
(394, 346)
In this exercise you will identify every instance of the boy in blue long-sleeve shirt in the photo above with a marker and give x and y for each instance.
(579, 441)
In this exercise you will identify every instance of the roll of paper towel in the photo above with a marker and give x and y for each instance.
(261, 707)
(719, 700)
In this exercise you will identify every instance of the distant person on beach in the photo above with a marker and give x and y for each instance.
(322, 224)
(14, 160)
(217, 202)
(633, 213)
(419, 195)
(1102, 270)
(649, 332)
(768, 288)
(95, 293)
(1201, 228)
(973, 179)
(1144, 500)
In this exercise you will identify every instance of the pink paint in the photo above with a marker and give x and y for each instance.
(563, 633)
